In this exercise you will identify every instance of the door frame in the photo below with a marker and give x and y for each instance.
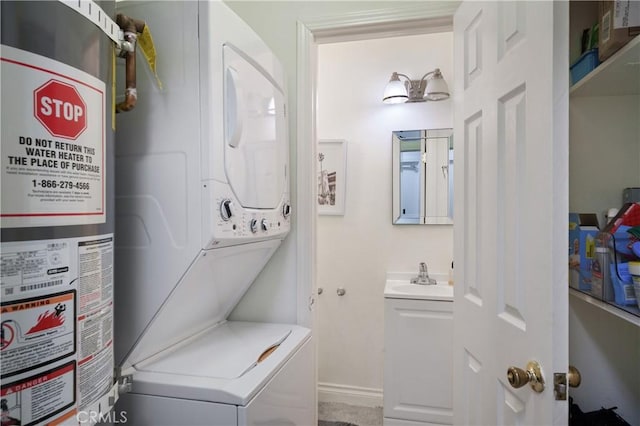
(413, 19)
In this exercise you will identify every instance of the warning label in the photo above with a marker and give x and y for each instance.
(95, 319)
(52, 164)
(37, 331)
(57, 308)
(96, 376)
(95, 278)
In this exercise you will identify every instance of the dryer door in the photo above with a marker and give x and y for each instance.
(256, 140)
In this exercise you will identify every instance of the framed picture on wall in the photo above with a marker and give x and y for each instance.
(332, 176)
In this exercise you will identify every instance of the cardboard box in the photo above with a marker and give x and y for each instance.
(583, 229)
(612, 39)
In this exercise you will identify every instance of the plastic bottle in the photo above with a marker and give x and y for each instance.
(600, 280)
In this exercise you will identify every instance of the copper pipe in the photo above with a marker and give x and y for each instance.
(131, 27)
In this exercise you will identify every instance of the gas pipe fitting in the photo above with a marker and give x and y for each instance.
(131, 28)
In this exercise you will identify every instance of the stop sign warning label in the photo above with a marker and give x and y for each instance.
(60, 109)
(53, 142)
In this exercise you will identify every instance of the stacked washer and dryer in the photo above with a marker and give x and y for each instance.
(202, 203)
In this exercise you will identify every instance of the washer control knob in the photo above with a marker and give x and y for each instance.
(286, 210)
(253, 225)
(225, 209)
(264, 225)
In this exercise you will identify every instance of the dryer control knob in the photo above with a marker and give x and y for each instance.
(264, 225)
(286, 210)
(253, 225)
(225, 209)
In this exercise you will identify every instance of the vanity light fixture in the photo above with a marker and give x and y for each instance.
(425, 89)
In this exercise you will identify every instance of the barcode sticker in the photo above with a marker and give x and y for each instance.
(40, 285)
(629, 293)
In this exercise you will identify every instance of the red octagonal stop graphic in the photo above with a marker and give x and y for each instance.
(60, 109)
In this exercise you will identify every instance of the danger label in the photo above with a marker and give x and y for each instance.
(46, 396)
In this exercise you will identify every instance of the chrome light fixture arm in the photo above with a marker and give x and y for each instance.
(415, 89)
(424, 77)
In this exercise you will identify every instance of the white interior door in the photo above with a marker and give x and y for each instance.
(511, 203)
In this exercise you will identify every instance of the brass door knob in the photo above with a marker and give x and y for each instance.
(518, 377)
(574, 377)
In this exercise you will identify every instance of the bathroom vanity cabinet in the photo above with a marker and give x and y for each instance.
(418, 365)
(604, 158)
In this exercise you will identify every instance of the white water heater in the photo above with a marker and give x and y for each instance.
(57, 212)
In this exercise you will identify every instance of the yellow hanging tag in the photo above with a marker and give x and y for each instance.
(145, 43)
(113, 87)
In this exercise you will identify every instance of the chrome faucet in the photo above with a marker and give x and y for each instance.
(423, 276)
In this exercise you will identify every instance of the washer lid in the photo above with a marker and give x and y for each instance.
(226, 352)
(206, 367)
(204, 297)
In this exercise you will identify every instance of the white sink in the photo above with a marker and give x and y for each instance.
(399, 287)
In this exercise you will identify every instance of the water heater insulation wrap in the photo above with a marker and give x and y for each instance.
(57, 222)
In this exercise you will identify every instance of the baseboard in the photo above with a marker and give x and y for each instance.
(352, 395)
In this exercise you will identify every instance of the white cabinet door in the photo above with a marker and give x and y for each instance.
(511, 203)
(418, 369)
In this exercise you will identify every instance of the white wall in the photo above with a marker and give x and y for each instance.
(355, 251)
(606, 350)
(604, 141)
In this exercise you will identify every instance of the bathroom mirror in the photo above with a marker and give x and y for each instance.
(423, 177)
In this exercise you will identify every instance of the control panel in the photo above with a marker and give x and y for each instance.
(233, 224)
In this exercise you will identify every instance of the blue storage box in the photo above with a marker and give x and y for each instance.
(583, 66)
(583, 229)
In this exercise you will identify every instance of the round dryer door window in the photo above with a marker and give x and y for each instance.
(256, 140)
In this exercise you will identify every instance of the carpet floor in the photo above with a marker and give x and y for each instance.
(339, 414)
